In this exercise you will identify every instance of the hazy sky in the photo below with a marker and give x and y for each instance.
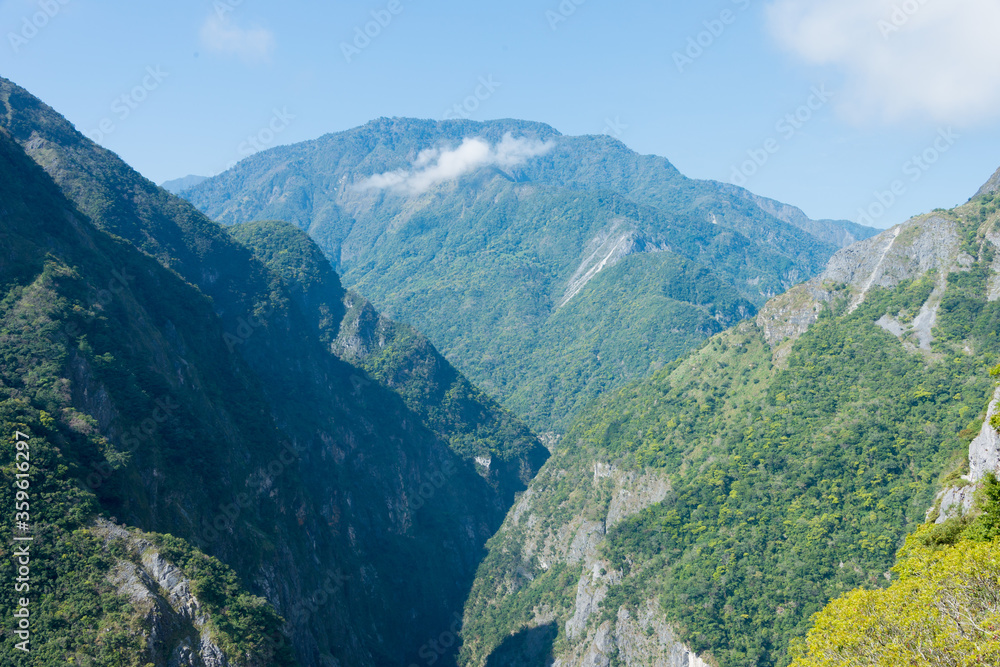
(826, 104)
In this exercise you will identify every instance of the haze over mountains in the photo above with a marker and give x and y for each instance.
(179, 185)
(237, 459)
(548, 268)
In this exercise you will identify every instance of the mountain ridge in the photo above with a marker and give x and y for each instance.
(178, 185)
(308, 476)
(496, 249)
(733, 493)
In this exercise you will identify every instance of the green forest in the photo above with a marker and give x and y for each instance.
(795, 475)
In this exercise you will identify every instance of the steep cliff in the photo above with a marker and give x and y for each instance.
(195, 392)
(727, 498)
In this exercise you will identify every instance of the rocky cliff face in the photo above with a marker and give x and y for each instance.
(984, 458)
(916, 248)
(197, 393)
(884, 352)
(990, 186)
(177, 631)
(588, 636)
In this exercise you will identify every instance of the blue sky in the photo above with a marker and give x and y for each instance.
(182, 87)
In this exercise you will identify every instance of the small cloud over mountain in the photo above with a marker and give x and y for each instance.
(435, 165)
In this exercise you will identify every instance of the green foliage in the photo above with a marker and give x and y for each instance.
(212, 408)
(941, 610)
(985, 526)
(790, 482)
(813, 491)
(484, 266)
(550, 592)
(242, 624)
(394, 355)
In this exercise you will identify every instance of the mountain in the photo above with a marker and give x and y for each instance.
(702, 516)
(940, 609)
(228, 465)
(990, 186)
(930, 614)
(179, 185)
(547, 268)
(840, 233)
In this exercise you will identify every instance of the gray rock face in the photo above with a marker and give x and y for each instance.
(178, 632)
(635, 494)
(905, 252)
(643, 638)
(588, 599)
(955, 501)
(584, 545)
(603, 252)
(984, 458)
(636, 640)
(984, 451)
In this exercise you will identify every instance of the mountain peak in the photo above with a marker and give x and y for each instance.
(991, 185)
(179, 185)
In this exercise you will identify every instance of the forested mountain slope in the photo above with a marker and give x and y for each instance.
(172, 382)
(548, 268)
(717, 506)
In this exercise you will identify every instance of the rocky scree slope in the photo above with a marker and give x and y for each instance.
(614, 259)
(712, 509)
(193, 390)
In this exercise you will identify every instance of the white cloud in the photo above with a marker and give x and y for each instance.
(252, 45)
(901, 58)
(434, 165)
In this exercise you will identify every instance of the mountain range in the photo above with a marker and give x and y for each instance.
(549, 269)
(716, 506)
(222, 434)
(308, 435)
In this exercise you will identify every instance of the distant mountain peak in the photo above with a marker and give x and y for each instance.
(179, 185)
(991, 185)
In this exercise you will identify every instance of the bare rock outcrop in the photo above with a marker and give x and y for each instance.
(178, 628)
(905, 252)
(984, 458)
